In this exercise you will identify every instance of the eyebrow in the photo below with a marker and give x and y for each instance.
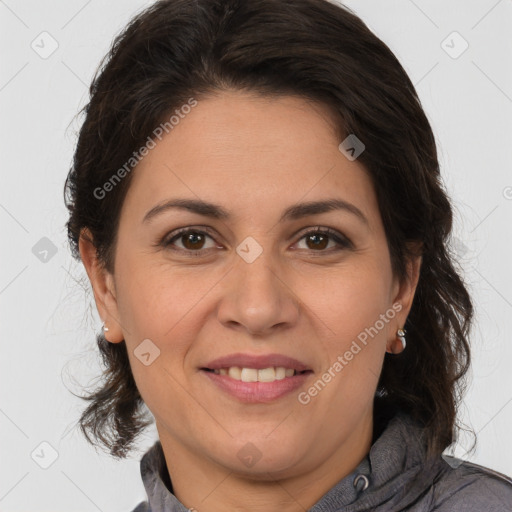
(293, 212)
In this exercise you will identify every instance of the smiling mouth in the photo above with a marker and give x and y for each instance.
(270, 374)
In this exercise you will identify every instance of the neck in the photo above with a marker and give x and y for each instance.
(206, 486)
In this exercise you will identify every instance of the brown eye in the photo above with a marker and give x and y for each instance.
(193, 241)
(318, 240)
(188, 240)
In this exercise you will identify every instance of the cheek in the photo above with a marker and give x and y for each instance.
(157, 299)
(159, 303)
(356, 319)
(350, 298)
(354, 349)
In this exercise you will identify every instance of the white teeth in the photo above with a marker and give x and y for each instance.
(249, 375)
(235, 373)
(266, 375)
(253, 375)
(280, 373)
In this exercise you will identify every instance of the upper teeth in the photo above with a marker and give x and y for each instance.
(254, 375)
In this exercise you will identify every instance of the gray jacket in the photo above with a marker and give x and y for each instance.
(393, 477)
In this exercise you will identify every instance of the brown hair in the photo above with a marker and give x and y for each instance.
(177, 49)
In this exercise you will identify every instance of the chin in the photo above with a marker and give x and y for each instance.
(259, 458)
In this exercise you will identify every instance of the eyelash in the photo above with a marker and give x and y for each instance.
(342, 241)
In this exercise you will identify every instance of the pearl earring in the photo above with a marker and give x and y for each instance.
(105, 329)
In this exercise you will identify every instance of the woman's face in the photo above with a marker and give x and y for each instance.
(261, 281)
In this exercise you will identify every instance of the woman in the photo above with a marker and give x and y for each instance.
(256, 199)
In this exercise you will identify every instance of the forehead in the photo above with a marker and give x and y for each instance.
(246, 151)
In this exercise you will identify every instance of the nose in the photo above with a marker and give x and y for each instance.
(257, 298)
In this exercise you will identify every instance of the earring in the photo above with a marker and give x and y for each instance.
(401, 336)
(105, 329)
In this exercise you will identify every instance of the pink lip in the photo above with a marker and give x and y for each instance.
(256, 361)
(257, 392)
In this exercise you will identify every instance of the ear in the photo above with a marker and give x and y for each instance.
(103, 286)
(405, 289)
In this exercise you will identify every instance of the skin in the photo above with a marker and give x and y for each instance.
(254, 156)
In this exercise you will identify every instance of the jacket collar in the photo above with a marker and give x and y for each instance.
(396, 456)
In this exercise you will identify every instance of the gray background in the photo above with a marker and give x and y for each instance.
(48, 318)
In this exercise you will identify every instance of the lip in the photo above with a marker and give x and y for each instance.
(257, 392)
(257, 362)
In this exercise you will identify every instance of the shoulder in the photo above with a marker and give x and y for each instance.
(465, 486)
(143, 506)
